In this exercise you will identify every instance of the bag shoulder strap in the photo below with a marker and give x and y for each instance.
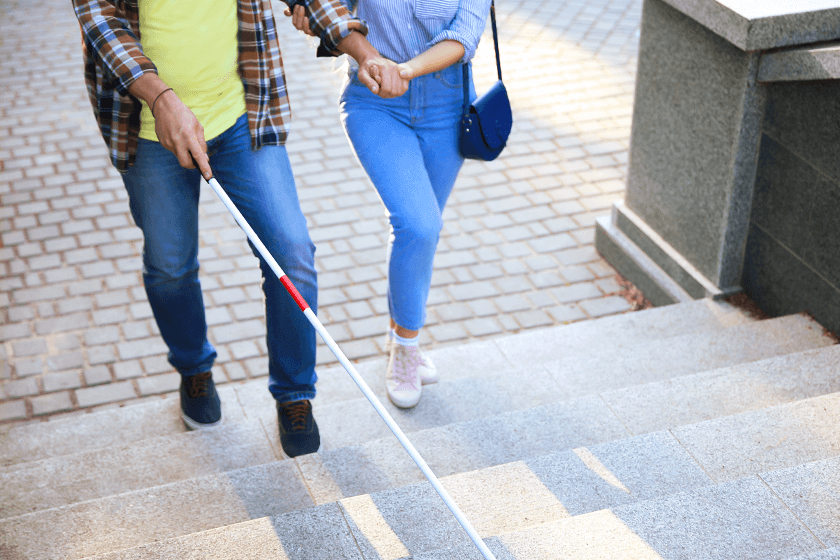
(498, 60)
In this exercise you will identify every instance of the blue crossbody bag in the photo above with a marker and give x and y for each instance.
(487, 121)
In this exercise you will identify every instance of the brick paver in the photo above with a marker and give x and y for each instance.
(517, 250)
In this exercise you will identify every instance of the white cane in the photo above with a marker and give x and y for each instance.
(444, 495)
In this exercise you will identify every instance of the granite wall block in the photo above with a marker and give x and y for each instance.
(781, 284)
(694, 140)
(805, 117)
(792, 262)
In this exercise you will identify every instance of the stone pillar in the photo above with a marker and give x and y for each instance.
(699, 107)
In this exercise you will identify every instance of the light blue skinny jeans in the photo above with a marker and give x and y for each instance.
(409, 148)
(163, 197)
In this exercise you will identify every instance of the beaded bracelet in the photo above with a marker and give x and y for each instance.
(158, 97)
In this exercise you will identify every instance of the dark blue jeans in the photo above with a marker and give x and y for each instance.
(163, 197)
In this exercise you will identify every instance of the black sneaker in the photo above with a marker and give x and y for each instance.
(200, 405)
(298, 429)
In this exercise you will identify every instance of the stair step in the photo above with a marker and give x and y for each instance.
(66, 435)
(462, 395)
(828, 554)
(768, 439)
(70, 434)
(806, 429)
(790, 513)
(536, 347)
(497, 499)
(506, 499)
(153, 514)
(94, 474)
(88, 475)
(621, 330)
(746, 518)
(687, 354)
(740, 519)
(812, 492)
(319, 533)
(723, 392)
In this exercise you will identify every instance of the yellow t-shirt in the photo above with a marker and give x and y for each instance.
(194, 45)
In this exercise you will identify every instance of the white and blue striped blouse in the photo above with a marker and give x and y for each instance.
(402, 29)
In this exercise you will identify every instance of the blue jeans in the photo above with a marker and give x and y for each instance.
(409, 148)
(163, 197)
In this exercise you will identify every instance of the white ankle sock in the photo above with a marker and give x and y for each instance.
(405, 341)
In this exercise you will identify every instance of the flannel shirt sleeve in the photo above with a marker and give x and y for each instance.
(331, 20)
(112, 43)
(467, 27)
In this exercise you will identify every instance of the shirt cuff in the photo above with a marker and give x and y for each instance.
(333, 21)
(470, 46)
(130, 73)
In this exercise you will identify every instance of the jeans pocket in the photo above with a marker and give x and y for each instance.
(451, 77)
(435, 9)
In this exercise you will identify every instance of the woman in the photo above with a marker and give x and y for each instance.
(408, 145)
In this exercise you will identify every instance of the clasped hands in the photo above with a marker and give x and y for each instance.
(382, 76)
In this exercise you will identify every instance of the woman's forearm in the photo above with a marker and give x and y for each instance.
(440, 56)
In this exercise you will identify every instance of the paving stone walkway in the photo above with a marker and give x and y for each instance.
(517, 251)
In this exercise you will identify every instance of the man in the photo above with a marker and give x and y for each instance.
(178, 82)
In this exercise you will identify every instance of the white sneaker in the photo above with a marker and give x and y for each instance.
(402, 379)
(426, 369)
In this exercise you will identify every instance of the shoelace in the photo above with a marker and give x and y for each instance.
(405, 367)
(297, 412)
(199, 385)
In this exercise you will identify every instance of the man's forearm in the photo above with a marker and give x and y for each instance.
(356, 45)
(147, 87)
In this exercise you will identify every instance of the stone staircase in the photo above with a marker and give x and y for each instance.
(682, 432)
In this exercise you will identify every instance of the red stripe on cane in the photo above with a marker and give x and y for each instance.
(294, 293)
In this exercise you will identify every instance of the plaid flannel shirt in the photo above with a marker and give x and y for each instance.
(114, 59)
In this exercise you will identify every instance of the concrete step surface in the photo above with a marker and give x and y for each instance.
(464, 395)
(572, 427)
(827, 554)
(117, 469)
(617, 475)
(122, 468)
(66, 435)
(498, 499)
(786, 514)
(766, 516)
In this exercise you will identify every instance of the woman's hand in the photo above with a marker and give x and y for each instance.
(383, 77)
(407, 71)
